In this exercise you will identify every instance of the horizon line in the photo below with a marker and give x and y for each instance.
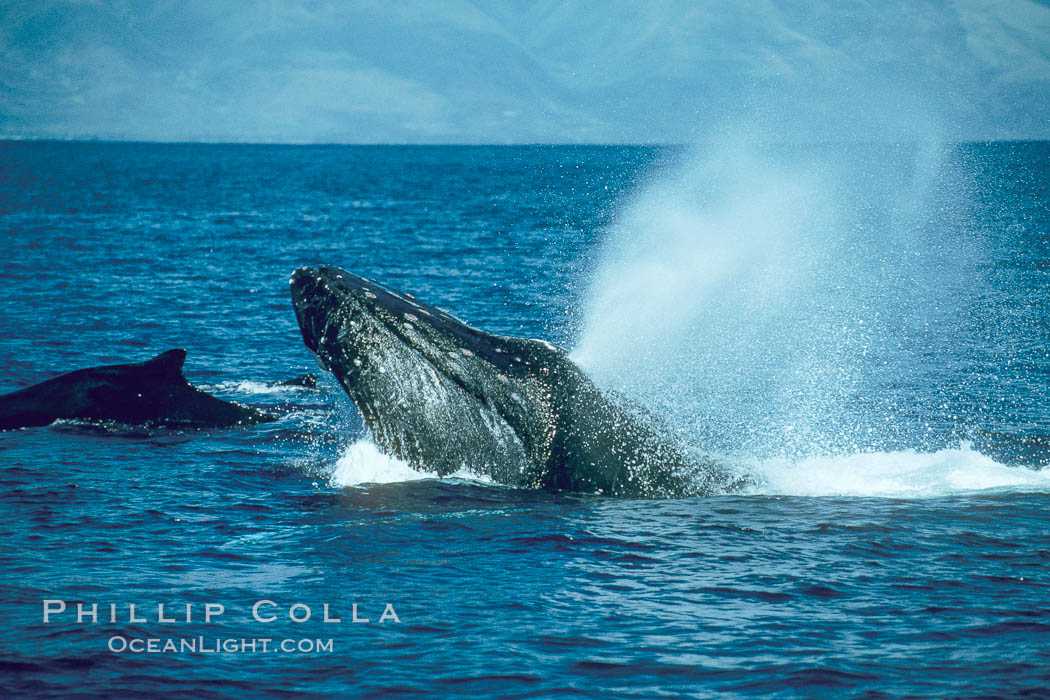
(220, 142)
(469, 144)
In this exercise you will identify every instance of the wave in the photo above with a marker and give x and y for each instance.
(363, 463)
(898, 474)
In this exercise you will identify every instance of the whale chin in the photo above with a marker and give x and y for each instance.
(445, 396)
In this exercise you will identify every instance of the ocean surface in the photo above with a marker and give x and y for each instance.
(862, 331)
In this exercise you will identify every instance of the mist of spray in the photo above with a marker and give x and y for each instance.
(774, 300)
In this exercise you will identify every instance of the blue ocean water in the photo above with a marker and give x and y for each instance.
(864, 331)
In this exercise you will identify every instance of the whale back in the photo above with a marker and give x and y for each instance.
(153, 392)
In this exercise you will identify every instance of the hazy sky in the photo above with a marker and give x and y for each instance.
(514, 71)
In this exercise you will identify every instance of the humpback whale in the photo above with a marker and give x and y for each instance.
(445, 396)
(153, 393)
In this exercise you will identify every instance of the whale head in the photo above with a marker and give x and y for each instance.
(432, 390)
(445, 397)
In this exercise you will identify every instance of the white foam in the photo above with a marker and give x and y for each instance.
(363, 463)
(252, 387)
(902, 474)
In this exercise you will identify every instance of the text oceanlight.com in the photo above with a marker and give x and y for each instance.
(218, 645)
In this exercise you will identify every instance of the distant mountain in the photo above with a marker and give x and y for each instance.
(517, 71)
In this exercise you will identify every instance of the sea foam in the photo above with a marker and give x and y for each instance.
(898, 474)
(364, 463)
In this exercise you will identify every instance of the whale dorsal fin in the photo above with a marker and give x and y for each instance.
(168, 363)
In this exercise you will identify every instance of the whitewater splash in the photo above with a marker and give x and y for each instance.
(363, 463)
(902, 474)
(784, 301)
